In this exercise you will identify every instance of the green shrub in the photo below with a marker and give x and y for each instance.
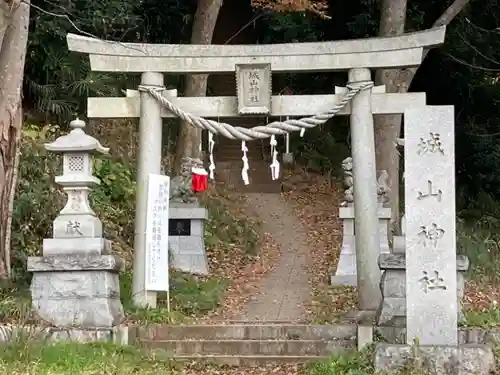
(38, 199)
(485, 319)
(189, 295)
(482, 246)
(66, 358)
(355, 363)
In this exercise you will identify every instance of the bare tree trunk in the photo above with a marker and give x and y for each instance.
(12, 56)
(388, 128)
(204, 23)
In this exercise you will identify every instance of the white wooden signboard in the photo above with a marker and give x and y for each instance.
(157, 275)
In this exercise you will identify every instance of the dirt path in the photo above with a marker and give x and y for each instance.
(289, 280)
(284, 293)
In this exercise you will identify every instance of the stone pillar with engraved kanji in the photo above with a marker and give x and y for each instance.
(430, 284)
(76, 280)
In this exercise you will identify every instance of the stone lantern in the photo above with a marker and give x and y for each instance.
(76, 281)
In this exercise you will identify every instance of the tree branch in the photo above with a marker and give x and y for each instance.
(449, 14)
(407, 75)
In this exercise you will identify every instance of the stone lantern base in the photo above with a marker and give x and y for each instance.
(77, 290)
(392, 310)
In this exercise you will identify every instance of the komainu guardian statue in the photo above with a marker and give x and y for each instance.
(383, 188)
(348, 182)
(181, 186)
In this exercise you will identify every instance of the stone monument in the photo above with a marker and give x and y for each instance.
(76, 280)
(346, 273)
(186, 223)
(391, 315)
(431, 285)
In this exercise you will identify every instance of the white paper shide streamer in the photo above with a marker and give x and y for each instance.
(244, 171)
(211, 144)
(275, 165)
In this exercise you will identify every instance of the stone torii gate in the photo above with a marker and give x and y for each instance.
(358, 57)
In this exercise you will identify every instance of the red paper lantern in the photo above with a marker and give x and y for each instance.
(199, 179)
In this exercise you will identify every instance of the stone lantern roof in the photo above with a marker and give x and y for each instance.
(77, 141)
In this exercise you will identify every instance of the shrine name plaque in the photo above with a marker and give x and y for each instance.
(254, 88)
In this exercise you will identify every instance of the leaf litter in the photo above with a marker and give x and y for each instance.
(316, 200)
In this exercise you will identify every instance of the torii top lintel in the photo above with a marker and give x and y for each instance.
(384, 52)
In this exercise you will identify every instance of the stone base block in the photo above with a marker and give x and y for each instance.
(393, 288)
(466, 335)
(74, 262)
(365, 336)
(75, 246)
(391, 311)
(439, 360)
(187, 211)
(84, 313)
(11, 333)
(77, 291)
(398, 244)
(347, 259)
(346, 268)
(188, 249)
(344, 280)
(188, 254)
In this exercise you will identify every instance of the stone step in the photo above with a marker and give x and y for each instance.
(264, 188)
(245, 332)
(251, 347)
(237, 150)
(232, 153)
(229, 173)
(248, 360)
(252, 145)
(233, 156)
(258, 171)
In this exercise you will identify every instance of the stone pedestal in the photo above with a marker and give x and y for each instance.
(439, 360)
(392, 310)
(77, 290)
(398, 244)
(346, 273)
(186, 238)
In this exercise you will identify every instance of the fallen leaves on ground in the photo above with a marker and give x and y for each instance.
(242, 269)
(196, 369)
(481, 296)
(245, 280)
(316, 200)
